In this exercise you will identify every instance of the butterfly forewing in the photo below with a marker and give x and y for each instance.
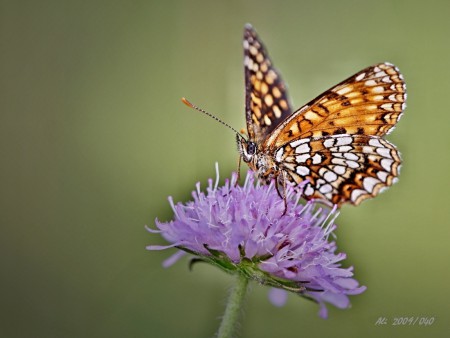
(341, 168)
(266, 101)
(367, 103)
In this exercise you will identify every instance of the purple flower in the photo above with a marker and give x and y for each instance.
(242, 229)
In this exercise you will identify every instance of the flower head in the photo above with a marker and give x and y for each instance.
(242, 229)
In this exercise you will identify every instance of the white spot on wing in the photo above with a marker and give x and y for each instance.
(310, 115)
(378, 97)
(382, 175)
(326, 188)
(302, 170)
(302, 158)
(339, 169)
(356, 194)
(360, 77)
(303, 148)
(344, 140)
(329, 142)
(385, 152)
(294, 144)
(279, 155)
(344, 149)
(320, 182)
(378, 89)
(339, 161)
(352, 164)
(386, 163)
(309, 190)
(344, 90)
(374, 142)
(351, 156)
(330, 176)
(370, 83)
(369, 183)
(380, 74)
(316, 159)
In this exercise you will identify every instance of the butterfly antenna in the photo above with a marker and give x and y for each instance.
(191, 105)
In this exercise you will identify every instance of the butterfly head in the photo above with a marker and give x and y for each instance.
(247, 149)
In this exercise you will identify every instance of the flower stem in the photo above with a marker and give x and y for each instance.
(233, 309)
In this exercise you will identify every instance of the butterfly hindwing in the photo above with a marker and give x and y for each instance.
(266, 102)
(341, 168)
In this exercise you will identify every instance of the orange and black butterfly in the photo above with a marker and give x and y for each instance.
(335, 142)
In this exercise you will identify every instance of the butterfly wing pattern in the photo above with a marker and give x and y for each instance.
(266, 101)
(334, 142)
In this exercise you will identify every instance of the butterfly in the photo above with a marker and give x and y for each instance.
(333, 146)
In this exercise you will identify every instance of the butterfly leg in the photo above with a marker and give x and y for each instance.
(284, 192)
(283, 196)
(238, 171)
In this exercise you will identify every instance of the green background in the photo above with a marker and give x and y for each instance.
(94, 138)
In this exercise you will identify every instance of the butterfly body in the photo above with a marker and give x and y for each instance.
(335, 142)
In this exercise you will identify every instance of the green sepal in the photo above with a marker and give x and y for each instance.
(248, 268)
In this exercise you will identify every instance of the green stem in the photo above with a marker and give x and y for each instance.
(233, 309)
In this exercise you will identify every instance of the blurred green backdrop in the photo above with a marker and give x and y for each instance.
(94, 138)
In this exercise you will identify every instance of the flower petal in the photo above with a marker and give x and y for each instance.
(277, 297)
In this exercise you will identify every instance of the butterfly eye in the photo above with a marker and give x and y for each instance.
(251, 148)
